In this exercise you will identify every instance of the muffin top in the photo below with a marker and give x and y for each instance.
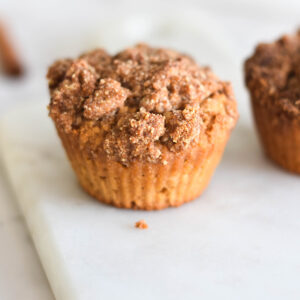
(273, 75)
(133, 105)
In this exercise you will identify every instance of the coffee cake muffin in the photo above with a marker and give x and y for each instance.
(143, 129)
(273, 79)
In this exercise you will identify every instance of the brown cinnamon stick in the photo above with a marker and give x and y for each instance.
(9, 60)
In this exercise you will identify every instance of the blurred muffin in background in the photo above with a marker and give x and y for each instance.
(144, 129)
(272, 76)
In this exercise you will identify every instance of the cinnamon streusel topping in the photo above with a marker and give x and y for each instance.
(273, 75)
(130, 105)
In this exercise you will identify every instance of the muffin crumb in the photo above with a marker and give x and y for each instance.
(141, 224)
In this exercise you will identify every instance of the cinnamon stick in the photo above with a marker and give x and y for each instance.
(9, 60)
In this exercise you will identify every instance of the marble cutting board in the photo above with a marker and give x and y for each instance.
(239, 240)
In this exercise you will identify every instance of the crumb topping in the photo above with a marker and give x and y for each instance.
(106, 98)
(273, 74)
(135, 135)
(134, 103)
(141, 224)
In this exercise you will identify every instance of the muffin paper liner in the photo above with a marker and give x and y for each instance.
(144, 185)
(279, 137)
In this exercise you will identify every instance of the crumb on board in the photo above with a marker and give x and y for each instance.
(141, 224)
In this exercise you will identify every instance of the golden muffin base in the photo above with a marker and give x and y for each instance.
(279, 136)
(144, 185)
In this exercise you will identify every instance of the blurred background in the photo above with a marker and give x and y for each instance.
(42, 31)
(221, 33)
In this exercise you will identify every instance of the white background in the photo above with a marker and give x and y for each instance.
(45, 30)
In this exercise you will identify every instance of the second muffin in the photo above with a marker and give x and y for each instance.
(273, 79)
(143, 129)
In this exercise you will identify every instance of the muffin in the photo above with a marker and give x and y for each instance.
(143, 129)
(273, 79)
